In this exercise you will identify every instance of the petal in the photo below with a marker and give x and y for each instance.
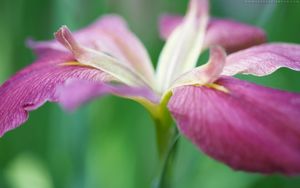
(229, 34)
(263, 60)
(232, 35)
(109, 34)
(36, 84)
(168, 23)
(204, 74)
(99, 60)
(86, 90)
(183, 47)
(250, 127)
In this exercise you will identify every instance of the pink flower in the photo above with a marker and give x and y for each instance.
(243, 125)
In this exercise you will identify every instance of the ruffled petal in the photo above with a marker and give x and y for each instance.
(263, 60)
(86, 90)
(204, 74)
(183, 47)
(249, 127)
(109, 34)
(229, 34)
(36, 84)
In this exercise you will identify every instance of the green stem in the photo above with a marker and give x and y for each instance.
(164, 134)
(165, 173)
(164, 127)
(167, 136)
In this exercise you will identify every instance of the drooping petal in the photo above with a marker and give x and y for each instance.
(99, 60)
(263, 60)
(204, 74)
(109, 34)
(229, 34)
(86, 90)
(39, 82)
(36, 84)
(183, 47)
(250, 127)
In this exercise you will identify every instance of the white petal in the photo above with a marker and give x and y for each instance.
(204, 74)
(181, 52)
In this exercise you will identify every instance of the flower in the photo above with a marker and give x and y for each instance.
(243, 125)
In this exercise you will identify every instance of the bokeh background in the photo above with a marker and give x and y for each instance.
(110, 142)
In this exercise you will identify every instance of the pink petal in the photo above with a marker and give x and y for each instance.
(232, 35)
(109, 34)
(168, 23)
(86, 90)
(263, 59)
(250, 127)
(36, 84)
(229, 34)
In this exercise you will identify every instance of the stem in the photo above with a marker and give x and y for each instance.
(167, 137)
(165, 173)
(164, 134)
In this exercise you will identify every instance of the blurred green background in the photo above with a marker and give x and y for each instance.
(111, 142)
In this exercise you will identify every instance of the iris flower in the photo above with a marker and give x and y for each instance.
(244, 125)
